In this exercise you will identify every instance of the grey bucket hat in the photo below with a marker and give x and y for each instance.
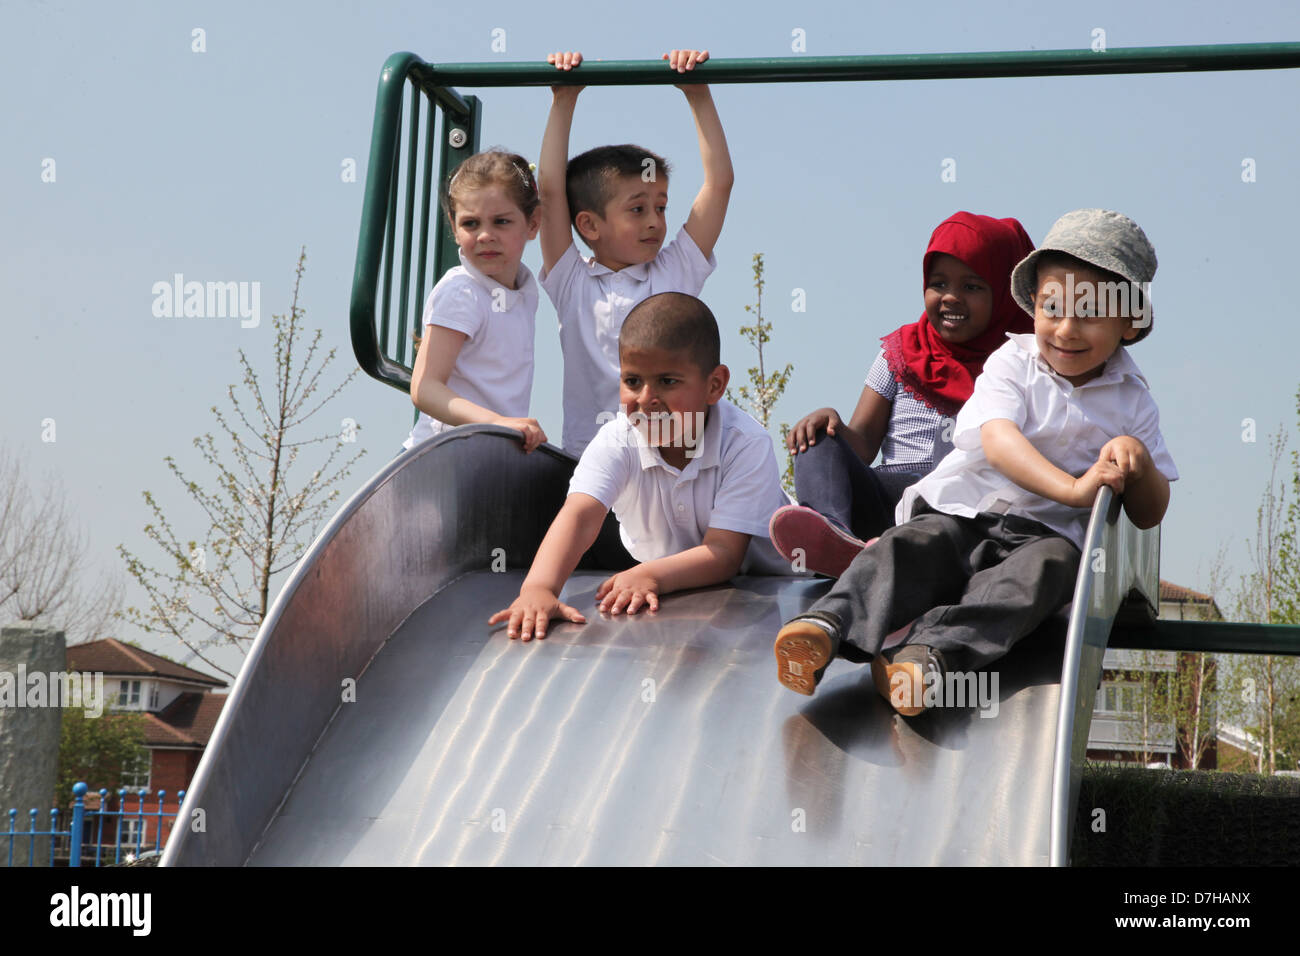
(1105, 239)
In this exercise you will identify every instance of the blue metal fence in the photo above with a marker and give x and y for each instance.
(80, 843)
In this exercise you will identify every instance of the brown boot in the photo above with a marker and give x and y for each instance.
(900, 676)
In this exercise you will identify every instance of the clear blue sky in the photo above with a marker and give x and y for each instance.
(220, 165)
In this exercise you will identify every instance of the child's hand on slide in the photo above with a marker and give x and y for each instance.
(805, 429)
(631, 589)
(1087, 485)
(1129, 455)
(529, 428)
(532, 611)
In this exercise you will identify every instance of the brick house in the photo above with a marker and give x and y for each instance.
(180, 707)
(1118, 733)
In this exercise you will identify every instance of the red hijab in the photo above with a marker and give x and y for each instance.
(940, 374)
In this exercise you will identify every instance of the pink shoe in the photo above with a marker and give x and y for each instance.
(821, 546)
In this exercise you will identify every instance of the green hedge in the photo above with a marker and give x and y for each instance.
(1186, 818)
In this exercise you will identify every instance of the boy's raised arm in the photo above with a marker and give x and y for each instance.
(571, 533)
(556, 232)
(710, 207)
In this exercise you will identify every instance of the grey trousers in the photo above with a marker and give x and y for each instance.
(973, 586)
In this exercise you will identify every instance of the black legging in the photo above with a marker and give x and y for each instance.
(830, 478)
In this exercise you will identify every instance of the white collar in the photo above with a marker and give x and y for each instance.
(512, 296)
(709, 449)
(639, 271)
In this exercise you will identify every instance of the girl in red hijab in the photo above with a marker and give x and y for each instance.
(922, 376)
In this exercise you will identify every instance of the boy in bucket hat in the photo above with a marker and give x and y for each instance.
(987, 545)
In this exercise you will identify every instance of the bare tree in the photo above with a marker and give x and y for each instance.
(43, 568)
(1265, 687)
(1195, 686)
(762, 393)
(260, 518)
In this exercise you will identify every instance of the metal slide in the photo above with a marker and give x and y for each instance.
(643, 740)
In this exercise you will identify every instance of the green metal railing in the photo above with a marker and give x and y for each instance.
(918, 66)
(381, 335)
(382, 326)
(1210, 637)
(402, 167)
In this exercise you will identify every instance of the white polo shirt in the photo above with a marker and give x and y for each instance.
(732, 484)
(1067, 424)
(495, 366)
(592, 301)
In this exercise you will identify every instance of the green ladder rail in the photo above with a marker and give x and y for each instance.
(390, 280)
(1210, 637)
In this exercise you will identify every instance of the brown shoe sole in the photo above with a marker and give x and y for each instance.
(802, 649)
(903, 685)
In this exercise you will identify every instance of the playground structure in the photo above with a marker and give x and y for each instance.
(377, 720)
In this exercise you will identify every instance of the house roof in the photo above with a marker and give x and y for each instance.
(186, 722)
(194, 715)
(157, 733)
(1176, 592)
(111, 656)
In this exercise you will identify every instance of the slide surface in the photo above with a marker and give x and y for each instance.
(378, 720)
(658, 740)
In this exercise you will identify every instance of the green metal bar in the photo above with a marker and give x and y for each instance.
(448, 100)
(1215, 637)
(430, 137)
(460, 137)
(408, 223)
(370, 241)
(442, 256)
(924, 66)
(390, 235)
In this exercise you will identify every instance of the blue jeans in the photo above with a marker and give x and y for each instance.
(830, 478)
